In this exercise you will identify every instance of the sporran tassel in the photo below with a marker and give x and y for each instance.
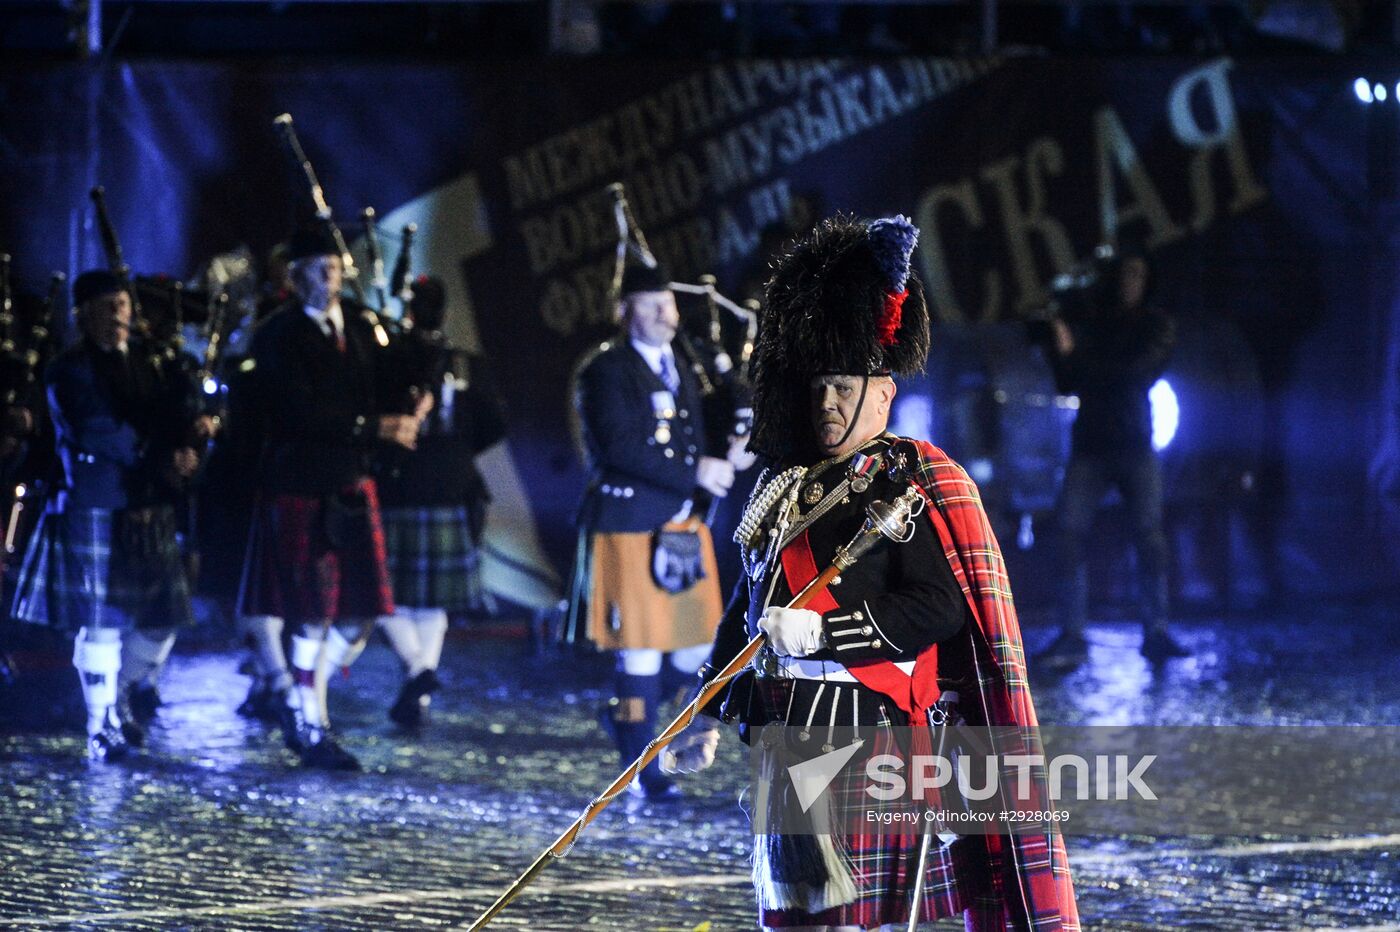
(810, 872)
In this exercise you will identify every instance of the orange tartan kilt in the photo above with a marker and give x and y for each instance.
(627, 610)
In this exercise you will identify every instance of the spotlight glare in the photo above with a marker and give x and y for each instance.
(1362, 87)
(1380, 91)
(1166, 413)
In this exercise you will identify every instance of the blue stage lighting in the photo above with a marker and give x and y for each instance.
(1380, 91)
(912, 416)
(1363, 90)
(211, 386)
(1166, 413)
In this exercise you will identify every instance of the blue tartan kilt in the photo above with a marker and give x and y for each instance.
(96, 568)
(432, 561)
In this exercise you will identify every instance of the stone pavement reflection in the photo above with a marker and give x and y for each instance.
(212, 828)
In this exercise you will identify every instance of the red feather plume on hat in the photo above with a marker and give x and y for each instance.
(842, 299)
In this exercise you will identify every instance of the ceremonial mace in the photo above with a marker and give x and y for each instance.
(890, 520)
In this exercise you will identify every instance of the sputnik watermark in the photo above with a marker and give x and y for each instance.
(817, 778)
(1114, 777)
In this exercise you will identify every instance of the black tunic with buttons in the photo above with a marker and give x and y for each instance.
(642, 453)
(894, 602)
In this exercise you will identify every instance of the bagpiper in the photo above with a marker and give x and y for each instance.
(105, 563)
(646, 580)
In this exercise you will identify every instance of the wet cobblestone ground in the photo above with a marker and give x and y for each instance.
(212, 828)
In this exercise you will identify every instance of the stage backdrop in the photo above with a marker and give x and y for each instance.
(1266, 191)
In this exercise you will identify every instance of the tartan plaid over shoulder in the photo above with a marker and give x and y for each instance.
(1030, 872)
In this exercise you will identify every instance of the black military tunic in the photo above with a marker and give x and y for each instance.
(898, 599)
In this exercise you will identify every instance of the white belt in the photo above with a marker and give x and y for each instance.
(796, 668)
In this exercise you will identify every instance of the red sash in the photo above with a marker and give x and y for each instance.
(915, 692)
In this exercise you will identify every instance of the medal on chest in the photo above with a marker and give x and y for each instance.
(861, 470)
(663, 408)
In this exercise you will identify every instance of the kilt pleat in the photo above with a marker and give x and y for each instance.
(295, 572)
(432, 563)
(627, 610)
(74, 574)
(884, 861)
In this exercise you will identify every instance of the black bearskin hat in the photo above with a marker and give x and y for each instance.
(841, 300)
(313, 239)
(94, 283)
(637, 276)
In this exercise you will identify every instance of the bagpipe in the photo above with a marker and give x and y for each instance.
(27, 342)
(413, 358)
(167, 315)
(418, 355)
(716, 339)
(313, 201)
(161, 305)
(163, 308)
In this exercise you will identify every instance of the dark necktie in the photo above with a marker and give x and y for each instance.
(669, 376)
(335, 333)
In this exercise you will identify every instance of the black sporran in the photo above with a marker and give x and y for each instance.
(676, 563)
(346, 517)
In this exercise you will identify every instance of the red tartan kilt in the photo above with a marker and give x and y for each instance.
(293, 570)
(885, 861)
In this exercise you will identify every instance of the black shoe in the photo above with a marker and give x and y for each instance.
(143, 699)
(631, 738)
(1067, 652)
(263, 704)
(132, 730)
(322, 752)
(134, 734)
(407, 710)
(1159, 646)
(290, 721)
(107, 746)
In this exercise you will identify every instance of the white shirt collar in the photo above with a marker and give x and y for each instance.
(327, 317)
(653, 354)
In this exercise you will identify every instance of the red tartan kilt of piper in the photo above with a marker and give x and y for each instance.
(295, 571)
(885, 861)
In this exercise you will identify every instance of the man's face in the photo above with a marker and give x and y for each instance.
(651, 317)
(318, 279)
(834, 402)
(106, 319)
(1132, 281)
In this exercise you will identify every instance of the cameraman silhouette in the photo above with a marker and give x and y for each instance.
(1109, 349)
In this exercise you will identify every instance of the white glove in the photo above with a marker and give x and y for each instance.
(692, 751)
(793, 632)
(714, 475)
(740, 458)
